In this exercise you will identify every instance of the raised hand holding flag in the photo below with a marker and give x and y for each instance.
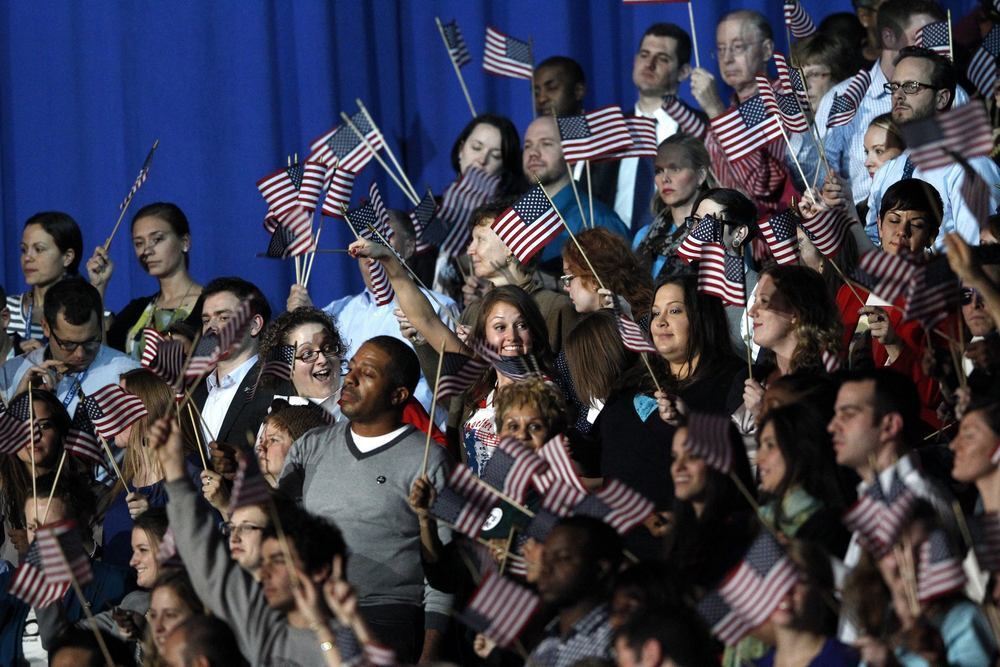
(139, 180)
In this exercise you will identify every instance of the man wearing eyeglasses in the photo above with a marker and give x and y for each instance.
(75, 359)
(922, 85)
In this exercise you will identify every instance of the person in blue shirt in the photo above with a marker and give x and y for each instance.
(543, 163)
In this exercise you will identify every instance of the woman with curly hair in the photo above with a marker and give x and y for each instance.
(616, 266)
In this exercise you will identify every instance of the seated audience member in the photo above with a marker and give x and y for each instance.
(332, 470)
(642, 588)
(883, 142)
(75, 359)
(171, 602)
(51, 249)
(202, 641)
(674, 639)
(161, 239)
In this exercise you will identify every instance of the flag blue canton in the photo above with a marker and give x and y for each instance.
(934, 34)
(518, 50)
(532, 206)
(295, 173)
(763, 554)
(424, 211)
(573, 127)
(783, 225)
(593, 507)
(709, 230)
(734, 269)
(497, 468)
(20, 408)
(360, 219)
(344, 140)
(841, 104)
(788, 104)
(280, 240)
(753, 112)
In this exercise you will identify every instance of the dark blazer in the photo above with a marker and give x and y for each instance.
(246, 411)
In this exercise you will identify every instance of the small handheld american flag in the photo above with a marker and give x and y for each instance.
(464, 503)
(507, 56)
(933, 142)
(779, 234)
(500, 609)
(708, 437)
(939, 570)
(936, 37)
(512, 467)
(141, 178)
(528, 225)
(249, 485)
(746, 128)
(982, 71)
(845, 105)
(111, 410)
(798, 21)
(457, 49)
(343, 147)
(594, 134)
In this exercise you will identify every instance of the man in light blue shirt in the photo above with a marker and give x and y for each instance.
(75, 359)
(923, 84)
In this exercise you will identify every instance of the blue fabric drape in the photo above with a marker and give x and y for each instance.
(230, 87)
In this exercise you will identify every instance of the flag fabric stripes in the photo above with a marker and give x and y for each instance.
(500, 609)
(555, 452)
(464, 502)
(831, 362)
(723, 275)
(976, 194)
(936, 37)
(343, 147)
(313, 185)
(140, 179)
(985, 530)
(14, 422)
(457, 49)
(783, 105)
(779, 234)
(151, 340)
(746, 128)
(382, 291)
(707, 231)
(233, 331)
(934, 291)
(799, 23)
(757, 585)
(827, 230)
(892, 273)
(617, 505)
(364, 219)
(642, 131)
(528, 225)
(280, 189)
(878, 517)
(633, 336)
(249, 485)
(688, 120)
(507, 56)
(204, 356)
(708, 437)
(422, 216)
(845, 105)
(964, 131)
(62, 554)
(512, 467)
(722, 620)
(469, 191)
(939, 570)
(30, 585)
(340, 184)
(791, 79)
(81, 439)
(377, 655)
(282, 240)
(168, 361)
(458, 373)
(982, 71)
(111, 410)
(594, 134)
(280, 363)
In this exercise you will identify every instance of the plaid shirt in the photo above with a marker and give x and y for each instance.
(590, 637)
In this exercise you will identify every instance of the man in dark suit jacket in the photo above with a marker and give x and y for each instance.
(232, 411)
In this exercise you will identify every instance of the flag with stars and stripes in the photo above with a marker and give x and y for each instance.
(281, 189)
(891, 273)
(617, 505)
(642, 131)
(167, 361)
(976, 194)
(280, 245)
(457, 49)
(707, 230)
(234, 330)
(141, 178)
(62, 554)
(982, 71)
(936, 37)
(464, 503)
(722, 620)
(280, 362)
(689, 120)
(878, 516)
(111, 410)
(528, 225)
(381, 212)
(791, 79)
(723, 275)
(507, 56)
(555, 452)
(799, 23)
(249, 485)
(15, 419)
(594, 134)
(985, 530)
(933, 292)
(382, 291)
(81, 439)
(204, 356)
(364, 219)
(367, 217)
(339, 185)
(469, 191)
(151, 340)
(779, 234)
(939, 569)
(783, 105)
(499, 609)
(756, 586)
(965, 131)
(458, 373)
(312, 185)
(827, 230)
(512, 467)
(295, 237)
(342, 146)
(746, 128)
(845, 105)
(633, 336)
(30, 584)
(422, 216)
(708, 437)
(518, 368)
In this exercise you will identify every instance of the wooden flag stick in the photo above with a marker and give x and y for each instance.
(114, 230)
(31, 450)
(458, 71)
(55, 482)
(570, 232)
(572, 181)
(430, 425)
(506, 549)
(197, 436)
(531, 80)
(347, 120)
(590, 193)
(951, 50)
(694, 34)
(312, 255)
(413, 194)
(91, 621)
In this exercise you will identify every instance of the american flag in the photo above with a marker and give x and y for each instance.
(892, 273)
(233, 331)
(594, 134)
(933, 290)
(151, 339)
(381, 212)
(756, 586)
(939, 570)
(469, 191)
(878, 517)
(249, 485)
(280, 362)
(982, 70)
(827, 230)
(512, 467)
(708, 437)
(723, 275)
(517, 368)
(633, 337)
(688, 120)
(500, 609)
(457, 49)
(422, 216)
(81, 439)
(722, 620)
(281, 189)
(783, 105)
(112, 409)
(541, 525)
(617, 505)
(14, 422)
(964, 130)
(458, 373)
(831, 362)
(779, 234)
(707, 231)
(746, 128)
(936, 37)
(30, 584)
(61, 551)
(791, 79)
(295, 226)
(382, 291)
(976, 194)
(167, 362)
(555, 452)
(141, 178)
(280, 245)
(339, 185)
(204, 356)
(364, 219)
(797, 20)
(528, 225)
(343, 147)
(464, 503)
(642, 131)
(845, 105)
(985, 530)
(507, 56)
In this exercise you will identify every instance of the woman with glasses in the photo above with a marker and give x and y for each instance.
(161, 239)
(51, 248)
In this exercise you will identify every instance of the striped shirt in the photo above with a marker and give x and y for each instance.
(20, 317)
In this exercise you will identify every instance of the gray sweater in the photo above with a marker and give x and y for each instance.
(365, 494)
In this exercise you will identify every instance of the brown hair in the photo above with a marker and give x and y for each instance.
(297, 419)
(596, 356)
(819, 326)
(538, 394)
(615, 264)
(158, 398)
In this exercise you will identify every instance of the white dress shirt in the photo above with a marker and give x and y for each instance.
(220, 397)
(625, 194)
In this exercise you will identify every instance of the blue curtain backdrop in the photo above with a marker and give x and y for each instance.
(230, 87)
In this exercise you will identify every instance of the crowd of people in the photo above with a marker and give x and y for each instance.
(592, 455)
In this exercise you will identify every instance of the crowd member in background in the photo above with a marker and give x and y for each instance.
(161, 239)
(51, 249)
(205, 641)
(559, 86)
(282, 428)
(616, 268)
(171, 602)
(658, 639)
(974, 445)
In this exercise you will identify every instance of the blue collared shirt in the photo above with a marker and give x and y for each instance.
(589, 637)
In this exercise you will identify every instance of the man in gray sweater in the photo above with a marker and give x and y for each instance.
(358, 473)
